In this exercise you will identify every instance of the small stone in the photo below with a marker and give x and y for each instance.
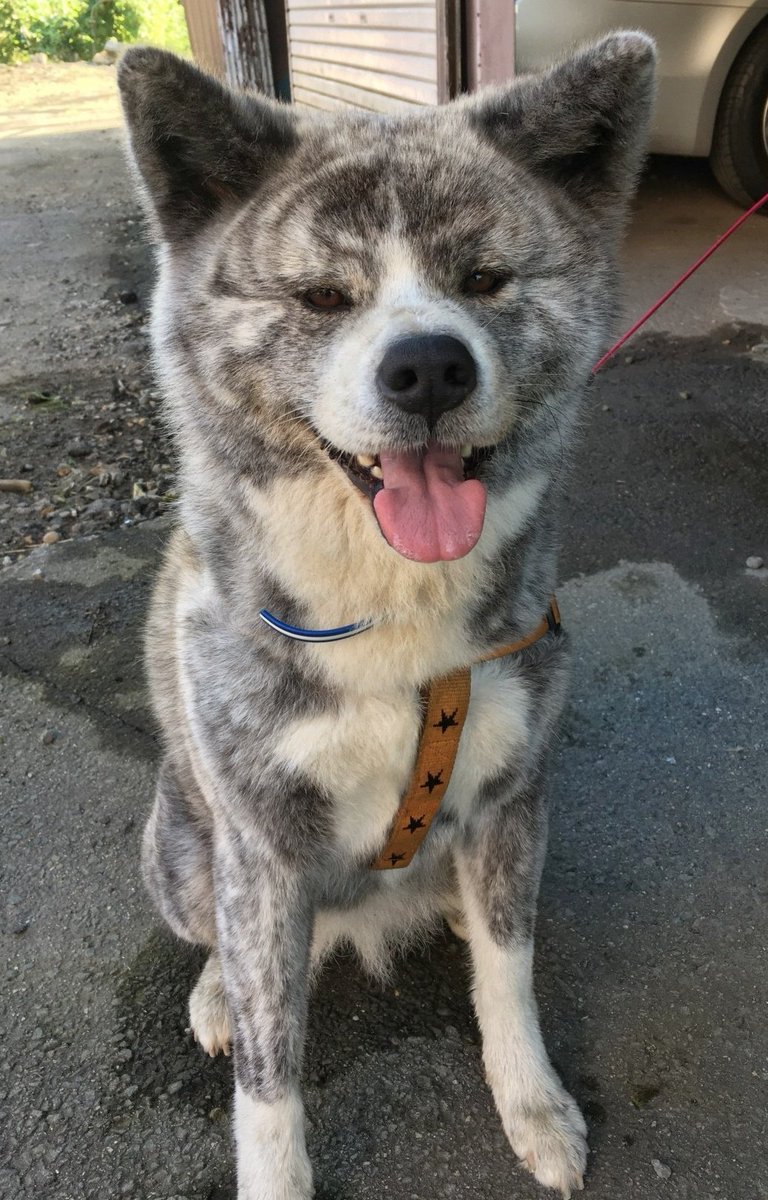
(50, 537)
(20, 928)
(78, 449)
(19, 486)
(754, 562)
(175, 1087)
(661, 1169)
(98, 508)
(49, 737)
(684, 395)
(629, 359)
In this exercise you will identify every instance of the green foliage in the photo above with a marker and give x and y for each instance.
(113, 18)
(10, 32)
(59, 29)
(162, 23)
(76, 29)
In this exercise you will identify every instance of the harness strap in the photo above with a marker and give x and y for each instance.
(446, 703)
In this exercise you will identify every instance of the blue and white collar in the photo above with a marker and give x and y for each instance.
(314, 635)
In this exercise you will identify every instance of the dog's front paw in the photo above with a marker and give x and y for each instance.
(278, 1189)
(272, 1162)
(551, 1142)
(208, 1011)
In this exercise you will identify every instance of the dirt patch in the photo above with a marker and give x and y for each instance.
(93, 456)
(78, 416)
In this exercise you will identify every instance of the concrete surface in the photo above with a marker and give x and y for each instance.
(679, 212)
(652, 929)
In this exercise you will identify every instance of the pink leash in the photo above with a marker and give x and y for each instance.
(671, 291)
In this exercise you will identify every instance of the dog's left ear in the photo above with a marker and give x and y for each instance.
(197, 145)
(583, 124)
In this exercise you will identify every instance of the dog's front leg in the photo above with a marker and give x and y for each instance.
(264, 920)
(499, 865)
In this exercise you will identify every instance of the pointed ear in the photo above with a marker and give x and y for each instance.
(197, 146)
(584, 123)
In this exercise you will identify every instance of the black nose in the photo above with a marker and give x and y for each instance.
(427, 374)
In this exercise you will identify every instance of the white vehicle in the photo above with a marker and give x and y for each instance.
(713, 91)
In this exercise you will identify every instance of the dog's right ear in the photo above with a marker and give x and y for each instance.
(197, 146)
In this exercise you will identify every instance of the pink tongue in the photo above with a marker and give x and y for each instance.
(427, 511)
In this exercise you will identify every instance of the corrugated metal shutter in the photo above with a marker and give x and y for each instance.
(375, 54)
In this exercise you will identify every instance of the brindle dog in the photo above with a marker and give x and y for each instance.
(373, 336)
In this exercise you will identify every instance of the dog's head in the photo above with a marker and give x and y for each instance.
(398, 299)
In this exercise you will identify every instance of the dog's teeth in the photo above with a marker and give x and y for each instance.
(466, 451)
(366, 460)
(377, 472)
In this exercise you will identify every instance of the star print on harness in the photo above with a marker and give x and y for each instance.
(446, 704)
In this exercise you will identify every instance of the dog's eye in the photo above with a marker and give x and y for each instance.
(483, 283)
(325, 297)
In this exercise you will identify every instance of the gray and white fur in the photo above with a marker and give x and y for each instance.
(284, 762)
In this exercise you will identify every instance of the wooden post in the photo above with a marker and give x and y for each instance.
(490, 42)
(204, 37)
(449, 57)
(247, 60)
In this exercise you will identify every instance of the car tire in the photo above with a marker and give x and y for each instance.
(739, 157)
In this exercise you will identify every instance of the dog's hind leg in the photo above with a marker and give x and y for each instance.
(499, 866)
(455, 919)
(208, 1011)
(178, 869)
(177, 855)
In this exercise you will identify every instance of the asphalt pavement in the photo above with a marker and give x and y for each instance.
(652, 936)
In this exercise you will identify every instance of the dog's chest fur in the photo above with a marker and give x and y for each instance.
(363, 753)
(351, 725)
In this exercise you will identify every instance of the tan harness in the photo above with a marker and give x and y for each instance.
(446, 703)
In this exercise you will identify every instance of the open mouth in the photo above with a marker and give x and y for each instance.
(429, 504)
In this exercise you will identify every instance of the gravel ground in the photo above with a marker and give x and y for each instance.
(79, 428)
(651, 932)
(88, 461)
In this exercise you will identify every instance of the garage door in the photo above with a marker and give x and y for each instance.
(379, 55)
